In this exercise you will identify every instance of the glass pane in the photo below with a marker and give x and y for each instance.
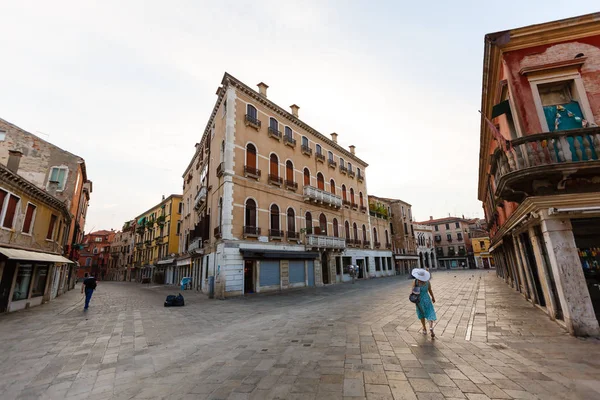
(61, 178)
(39, 280)
(23, 280)
(54, 174)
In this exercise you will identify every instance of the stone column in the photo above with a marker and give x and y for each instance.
(568, 275)
(544, 278)
(521, 267)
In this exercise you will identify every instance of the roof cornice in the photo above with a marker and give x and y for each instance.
(165, 201)
(230, 80)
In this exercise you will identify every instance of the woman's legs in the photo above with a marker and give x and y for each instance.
(424, 326)
(431, 329)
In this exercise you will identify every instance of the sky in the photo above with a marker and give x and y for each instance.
(130, 85)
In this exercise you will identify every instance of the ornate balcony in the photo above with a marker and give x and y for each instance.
(343, 169)
(252, 121)
(325, 242)
(377, 244)
(195, 245)
(275, 180)
(200, 197)
(313, 194)
(354, 206)
(293, 235)
(320, 157)
(306, 150)
(274, 133)
(220, 169)
(360, 178)
(547, 163)
(331, 163)
(291, 185)
(251, 172)
(251, 231)
(160, 240)
(366, 243)
(289, 141)
(346, 203)
(351, 173)
(217, 232)
(276, 234)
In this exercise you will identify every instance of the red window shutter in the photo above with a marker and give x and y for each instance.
(51, 227)
(28, 218)
(10, 211)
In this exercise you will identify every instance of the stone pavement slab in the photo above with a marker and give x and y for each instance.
(357, 341)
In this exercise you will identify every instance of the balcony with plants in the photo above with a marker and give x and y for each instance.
(378, 210)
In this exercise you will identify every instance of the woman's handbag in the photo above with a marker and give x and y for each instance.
(415, 295)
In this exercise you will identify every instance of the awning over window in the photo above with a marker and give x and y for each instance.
(167, 261)
(141, 221)
(280, 255)
(501, 108)
(18, 254)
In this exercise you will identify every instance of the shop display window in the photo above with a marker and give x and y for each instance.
(23, 282)
(39, 280)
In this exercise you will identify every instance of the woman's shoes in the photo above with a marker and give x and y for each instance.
(432, 333)
(424, 331)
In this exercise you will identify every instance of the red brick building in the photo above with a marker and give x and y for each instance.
(95, 255)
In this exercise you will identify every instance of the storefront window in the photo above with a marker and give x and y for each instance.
(23, 281)
(587, 232)
(39, 281)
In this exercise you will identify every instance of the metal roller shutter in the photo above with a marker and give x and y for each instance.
(297, 271)
(311, 272)
(269, 273)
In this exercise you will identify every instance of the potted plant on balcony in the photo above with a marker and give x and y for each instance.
(160, 221)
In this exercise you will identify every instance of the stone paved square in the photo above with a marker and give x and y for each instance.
(345, 341)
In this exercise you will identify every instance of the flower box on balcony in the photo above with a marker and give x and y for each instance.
(251, 172)
(274, 133)
(331, 163)
(289, 141)
(343, 169)
(275, 234)
(291, 185)
(320, 157)
(275, 180)
(252, 122)
(251, 231)
(220, 169)
(306, 150)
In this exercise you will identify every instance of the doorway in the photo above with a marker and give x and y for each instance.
(587, 239)
(361, 266)
(325, 268)
(533, 270)
(6, 284)
(248, 276)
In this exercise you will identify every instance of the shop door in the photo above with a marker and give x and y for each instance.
(269, 273)
(587, 240)
(361, 267)
(310, 266)
(297, 274)
(248, 276)
(325, 268)
(6, 284)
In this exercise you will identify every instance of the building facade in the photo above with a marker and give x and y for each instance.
(278, 204)
(54, 170)
(94, 256)
(121, 254)
(481, 251)
(539, 166)
(425, 246)
(157, 241)
(33, 238)
(452, 242)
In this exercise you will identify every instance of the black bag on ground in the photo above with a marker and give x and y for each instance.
(174, 301)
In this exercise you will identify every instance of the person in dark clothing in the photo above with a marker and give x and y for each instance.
(89, 284)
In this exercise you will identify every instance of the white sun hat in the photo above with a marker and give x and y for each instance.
(421, 274)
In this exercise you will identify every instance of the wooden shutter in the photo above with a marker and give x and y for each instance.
(11, 208)
(28, 218)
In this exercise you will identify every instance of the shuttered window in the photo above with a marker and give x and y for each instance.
(51, 227)
(27, 224)
(11, 209)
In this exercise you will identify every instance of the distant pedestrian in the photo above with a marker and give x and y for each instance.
(425, 309)
(89, 284)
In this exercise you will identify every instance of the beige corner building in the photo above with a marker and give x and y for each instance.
(270, 203)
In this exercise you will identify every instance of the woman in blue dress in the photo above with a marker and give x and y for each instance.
(425, 309)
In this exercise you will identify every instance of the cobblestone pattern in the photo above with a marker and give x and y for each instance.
(344, 341)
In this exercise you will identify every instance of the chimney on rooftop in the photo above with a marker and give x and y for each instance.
(431, 218)
(334, 137)
(352, 149)
(14, 159)
(294, 109)
(262, 89)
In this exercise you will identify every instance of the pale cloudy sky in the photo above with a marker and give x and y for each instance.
(129, 85)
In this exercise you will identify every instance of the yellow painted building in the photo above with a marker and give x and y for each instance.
(157, 238)
(481, 252)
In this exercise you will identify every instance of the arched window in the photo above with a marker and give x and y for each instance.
(342, 162)
(288, 132)
(304, 141)
(273, 124)
(336, 228)
(88, 262)
(306, 177)
(332, 186)
(360, 197)
(291, 220)
(364, 232)
(289, 171)
(250, 218)
(308, 217)
(274, 166)
(318, 149)
(352, 195)
(251, 111)
(320, 181)
(355, 231)
(322, 224)
(375, 238)
(330, 156)
(344, 197)
(358, 171)
(251, 156)
(350, 167)
(275, 225)
(387, 237)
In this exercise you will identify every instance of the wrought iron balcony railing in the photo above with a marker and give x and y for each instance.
(251, 172)
(320, 157)
(252, 121)
(291, 185)
(288, 140)
(274, 133)
(275, 233)
(220, 169)
(331, 163)
(343, 169)
(293, 235)
(251, 231)
(306, 150)
(275, 180)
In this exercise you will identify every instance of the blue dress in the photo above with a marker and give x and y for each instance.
(425, 306)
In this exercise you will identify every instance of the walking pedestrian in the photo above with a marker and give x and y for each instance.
(425, 309)
(89, 284)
